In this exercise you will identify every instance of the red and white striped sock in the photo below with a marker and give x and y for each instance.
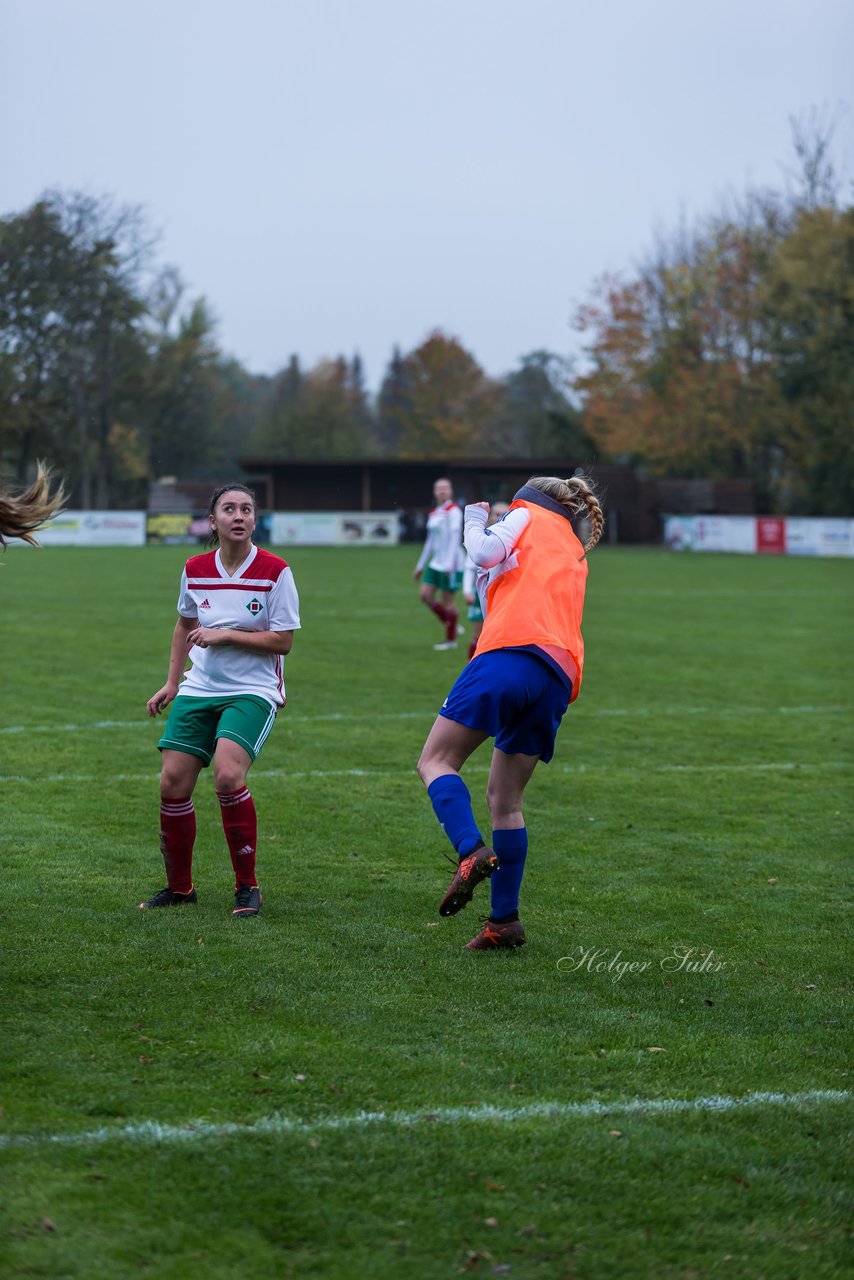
(240, 824)
(177, 837)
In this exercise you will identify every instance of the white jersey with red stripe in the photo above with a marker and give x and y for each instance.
(259, 596)
(443, 546)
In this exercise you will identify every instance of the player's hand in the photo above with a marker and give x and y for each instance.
(416, 573)
(468, 597)
(482, 507)
(207, 637)
(160, 700)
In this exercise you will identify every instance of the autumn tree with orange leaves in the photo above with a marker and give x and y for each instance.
(726, 354)
(450, 401)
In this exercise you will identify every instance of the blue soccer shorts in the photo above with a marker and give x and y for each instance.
(513, 696)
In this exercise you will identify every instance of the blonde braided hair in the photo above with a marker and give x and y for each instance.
(579, 497)
(22, 513)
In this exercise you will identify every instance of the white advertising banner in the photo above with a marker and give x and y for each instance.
(805, 537)
(710, 533)
(92, 529)
(335, 529)
(792, 536)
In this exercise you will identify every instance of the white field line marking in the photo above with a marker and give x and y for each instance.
(152, 1131)
(290, 718)
(288, 775)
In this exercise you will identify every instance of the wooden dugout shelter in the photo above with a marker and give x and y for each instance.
(633, 503)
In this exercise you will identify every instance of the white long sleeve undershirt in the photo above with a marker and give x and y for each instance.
(490, 547)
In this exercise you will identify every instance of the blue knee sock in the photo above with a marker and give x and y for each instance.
(512, 849)
(451, 802)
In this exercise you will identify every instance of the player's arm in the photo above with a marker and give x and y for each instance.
(283, 615)
(253, 641)
(181, 642)
(425, 555)
(492, 546)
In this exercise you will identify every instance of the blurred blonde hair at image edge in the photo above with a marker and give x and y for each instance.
(23, 511)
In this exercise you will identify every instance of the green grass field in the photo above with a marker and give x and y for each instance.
(335, 1089)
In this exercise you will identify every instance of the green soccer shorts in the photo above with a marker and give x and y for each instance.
(444, 581)
(195, 724)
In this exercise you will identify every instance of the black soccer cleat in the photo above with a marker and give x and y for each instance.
(247, 900)
(168, 898)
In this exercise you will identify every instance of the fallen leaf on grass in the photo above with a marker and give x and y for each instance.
(473, 1259)
(48, 1224)
(773, 880)
(655, 1048)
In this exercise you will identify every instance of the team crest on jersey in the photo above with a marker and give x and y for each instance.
(254, 606)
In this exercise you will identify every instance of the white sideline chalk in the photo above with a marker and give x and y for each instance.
(292, 775)
(150, 1131)
(292, 719)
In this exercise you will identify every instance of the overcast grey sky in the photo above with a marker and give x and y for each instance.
(341, 175)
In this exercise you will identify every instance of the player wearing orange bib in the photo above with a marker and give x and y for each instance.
(525, 672)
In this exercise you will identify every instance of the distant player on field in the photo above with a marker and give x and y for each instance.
(237, 613)
(516, 690)
(472, 599)
(442, 555)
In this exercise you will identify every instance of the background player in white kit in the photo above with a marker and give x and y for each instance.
(443, 556)
(237, 613)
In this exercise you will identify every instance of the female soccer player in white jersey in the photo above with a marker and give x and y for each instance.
(443, 556)
(237, 613)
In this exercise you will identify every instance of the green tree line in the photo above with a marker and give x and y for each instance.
(728, 353)
(109, 371)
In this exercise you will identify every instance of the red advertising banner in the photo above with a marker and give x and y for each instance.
(771, 535)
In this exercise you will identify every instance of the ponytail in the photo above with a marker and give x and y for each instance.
(22, 513)
(579, 497)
